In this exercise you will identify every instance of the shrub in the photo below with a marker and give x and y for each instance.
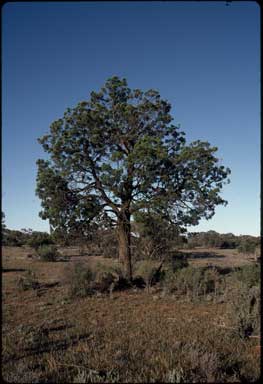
(147, 270)
(247, 246)
(244, 308)
(48, 253)
(38, 239)
(79, 278)
(28, 281)
(84, 280)
(109, 278)
(178, 261)
(248, 274)
(13, 238)
(192, 281)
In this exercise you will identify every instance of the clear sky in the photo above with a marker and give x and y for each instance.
(204, 57)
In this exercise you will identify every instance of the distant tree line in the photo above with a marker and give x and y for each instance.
(213, 239)
(151, 239)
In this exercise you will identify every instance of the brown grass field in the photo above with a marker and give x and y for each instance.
(130, 336)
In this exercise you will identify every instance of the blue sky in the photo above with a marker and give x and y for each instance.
(204, 57)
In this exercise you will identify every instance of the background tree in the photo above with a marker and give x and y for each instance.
(118, 154)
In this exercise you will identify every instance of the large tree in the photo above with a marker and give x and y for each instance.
(118, 154)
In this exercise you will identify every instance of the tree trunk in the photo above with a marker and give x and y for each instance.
(124, 240)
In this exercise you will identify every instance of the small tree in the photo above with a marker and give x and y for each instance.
(118, 154)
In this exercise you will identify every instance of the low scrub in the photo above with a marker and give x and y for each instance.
(48, 253)
(149, 271)
(109, 278)
(79, 279)
(248, 275)
(243, 298)
(27, 282)
(193, 282)
(178, 261)
(39, 239)
(84, 280)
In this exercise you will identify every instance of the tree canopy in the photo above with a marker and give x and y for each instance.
(118, 154)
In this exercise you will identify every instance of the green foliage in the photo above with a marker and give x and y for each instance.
(84, 280)
(79, 278)
(244, 308)
(146, 269)
(109, 278)
(28, 281)
(247, 246)
(48, 252)
(192, 281)
(177, 261)
(119, 154)
(39, 239)
(157, 236)
(14, 238)
(248, 275)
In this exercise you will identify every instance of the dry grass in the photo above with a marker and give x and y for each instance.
(220, 257)
(130, 337)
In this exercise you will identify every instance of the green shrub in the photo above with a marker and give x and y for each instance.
(79, 279)
(247, 247)
(192, 281)
(244, 308)
(48, 253)
(38, 239)
(178, 261)
(13, 238)
(28, 281)
(104, 282)
(147, 270)
(84, 280)
(109, 278)
(248, 274)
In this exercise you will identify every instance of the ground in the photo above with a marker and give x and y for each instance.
(130, 336)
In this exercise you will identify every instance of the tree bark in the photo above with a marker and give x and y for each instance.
(124, 241)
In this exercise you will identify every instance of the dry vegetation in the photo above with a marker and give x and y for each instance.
(130, 336)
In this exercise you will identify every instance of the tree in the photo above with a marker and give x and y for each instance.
(39, 239)
(118, 154)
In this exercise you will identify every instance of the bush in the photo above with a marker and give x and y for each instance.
(148, 271)
(178, 261)
(28, 281)
(243, 297)
(48, 253)
(79, 278)
(84, 280)
(244, 308)
(192, 281)
(38, 239)
(248, 274)
(13, 238)
(109, 278)
(247, 247)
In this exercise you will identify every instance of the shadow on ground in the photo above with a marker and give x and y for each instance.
(203, 255)
(4, 270)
